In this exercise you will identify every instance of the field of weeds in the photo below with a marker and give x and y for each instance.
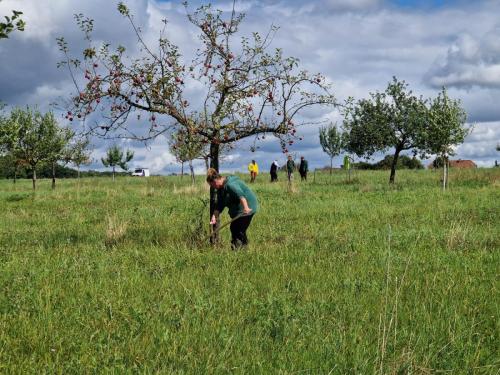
(340, 277)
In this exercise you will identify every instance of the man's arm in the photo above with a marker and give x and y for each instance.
(244, 203)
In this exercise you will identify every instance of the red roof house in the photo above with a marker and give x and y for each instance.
(462, 164)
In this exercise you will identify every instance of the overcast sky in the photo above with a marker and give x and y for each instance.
(358, 44)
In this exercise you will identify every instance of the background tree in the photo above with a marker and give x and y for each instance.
(11, 23)
(186, 148)
(331, 142)
(56, 146)
(78, 153)
(446, 129)
(115, 157)
(27, 136)
(8, 139)
(249, 89)
(392, 119)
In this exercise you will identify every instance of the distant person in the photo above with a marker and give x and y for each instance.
(290, 168)
(496, 163)
(240, 201)
(274, 171)
(303, 168)
(253, 168)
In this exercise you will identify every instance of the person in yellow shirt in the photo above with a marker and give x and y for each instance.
(253, 168)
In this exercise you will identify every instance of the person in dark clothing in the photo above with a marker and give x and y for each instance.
(303, 168)
(274, 171)
(240, 201)
(290, 168)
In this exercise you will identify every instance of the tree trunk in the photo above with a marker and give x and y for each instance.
(214, 163)
(445, 172)
(15, 174)
(34, 178)
(206, 163)
(191, 169)
(393, 166)
(113, 173)
(331, 166)
(53, 176)
(182, 169)
(78, 169)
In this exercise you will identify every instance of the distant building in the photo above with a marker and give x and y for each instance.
(462, 164)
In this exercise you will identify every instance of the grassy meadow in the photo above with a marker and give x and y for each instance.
(340, 277)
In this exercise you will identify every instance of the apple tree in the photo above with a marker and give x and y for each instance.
(248, 88)
(446, 129)
(394, 119)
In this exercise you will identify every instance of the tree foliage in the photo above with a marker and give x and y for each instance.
(404, 162)
(398, 119)
(394, 118)
(446, 126)
(78, 153)
(187, 147)
(331, 141)
(32, 138)
(14, 22)
(115, 157)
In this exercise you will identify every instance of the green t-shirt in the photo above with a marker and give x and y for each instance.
(229, 196)
(290, 166)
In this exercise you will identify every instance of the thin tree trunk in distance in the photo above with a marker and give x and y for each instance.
(182, 169)
(191, 169)
(214, 163)
(445, 172)
(113, 173)
(34, 178)
(53, 176)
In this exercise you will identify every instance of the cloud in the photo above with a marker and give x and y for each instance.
(349, 5)
(470, 61)
(359, 45)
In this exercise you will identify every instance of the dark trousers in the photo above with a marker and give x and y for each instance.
(274, 176)
(303, 175)
(239, 231)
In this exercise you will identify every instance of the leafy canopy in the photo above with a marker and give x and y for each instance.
(115, 157)
(246, 88)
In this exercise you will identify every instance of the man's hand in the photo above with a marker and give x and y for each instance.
(244, 205)
(213, 220)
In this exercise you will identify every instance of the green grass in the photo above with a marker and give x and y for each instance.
(339, 278)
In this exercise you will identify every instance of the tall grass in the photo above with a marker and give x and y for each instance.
(339, 277)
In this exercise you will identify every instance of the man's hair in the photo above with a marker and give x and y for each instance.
(212, 175)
